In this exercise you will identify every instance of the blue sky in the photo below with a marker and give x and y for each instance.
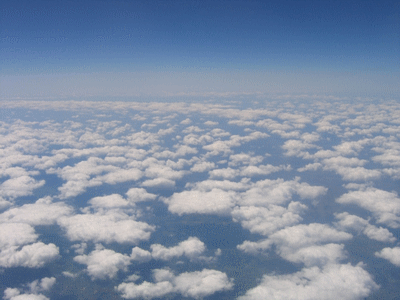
(155, 48)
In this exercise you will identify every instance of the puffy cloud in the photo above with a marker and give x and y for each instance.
(42, 212)
(310, 167)
(305, 235)
(227, 173)
(146, 290)
(224, 146)
(159, 183)
(112, 226)
(251, 171)
(201, 283)
(4, 203)
(384, 205)
(303, 243)
(32, 256)
(104, 263)
(315, 255)
(16, 234)
(191, 248)
(34, 288)
(196, 284)
(266, 192)
(266, 220)
(19, 186)
(140, 255)
(391, 254)
(226, 185)
(348, 221)
(297, 147)
(211, 123)
(314, 283)
(120, 175)
(16, 248)
(202, 166)
(245, 159)
(215, 201)
(42, 285)
(139, 194)
(109, 201)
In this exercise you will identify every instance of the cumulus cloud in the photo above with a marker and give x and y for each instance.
(316, 283)
(35, 255)
(16, 234)
(110, 226)
(266, 192)
(391, 254)
(19, 186)
(104, 263)
(196, 284)
(32, 293)
(215, 201)
(18, 247)
(191, 248)
(202, 166)
(140, 255)
(310, 244)
(139, 194)
(347, 221)
(42, 212)
(109, 201)
(266, 220)
(385, 206)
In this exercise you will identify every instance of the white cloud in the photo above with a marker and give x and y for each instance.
(42, 212)
(32, 256)
(266, 220)
(44, 284)
(16, 234)
(251, 171)
(14, 294)
(215, 201)
(112, 226)
(266, 192)
(140, 255)
(139, 194)
(109, 201)
(384, 205)
(19, 186)
(310, 244)
(391, 254)
(202, 166)
(310, 167)
(211, 123)
(187, 121)
(104, 263)
(34, 288)
(198, 284)
(314, 283)
(227, 173)
(245, 159)
(146, 290)
(191, 248)
(347, 221)
(202, 283)
(159, 183)
(297, 147)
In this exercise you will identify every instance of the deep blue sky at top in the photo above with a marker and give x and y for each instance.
(62, 37)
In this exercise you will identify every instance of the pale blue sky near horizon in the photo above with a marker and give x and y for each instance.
(67, 49)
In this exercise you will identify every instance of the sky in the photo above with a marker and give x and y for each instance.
(88, 49)
(215, 200)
